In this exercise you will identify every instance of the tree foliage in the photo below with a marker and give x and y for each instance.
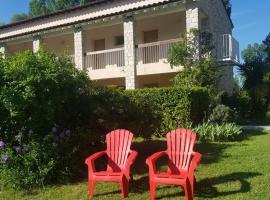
(256, 71)
(199, 66)
(19, 17)
(44, 7)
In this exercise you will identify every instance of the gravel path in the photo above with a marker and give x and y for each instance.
(251, 127)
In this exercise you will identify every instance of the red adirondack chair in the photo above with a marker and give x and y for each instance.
(120, 159)
(181, 166)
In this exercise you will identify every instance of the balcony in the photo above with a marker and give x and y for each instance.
(105, 64)
(151, 58)
(228, 49)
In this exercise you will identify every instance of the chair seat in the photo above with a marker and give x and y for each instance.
(170, 179)
(108, 176)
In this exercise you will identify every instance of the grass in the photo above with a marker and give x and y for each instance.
(238, 170)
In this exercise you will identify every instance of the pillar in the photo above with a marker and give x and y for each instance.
(36, 43)
(129, 46)
(79, 48)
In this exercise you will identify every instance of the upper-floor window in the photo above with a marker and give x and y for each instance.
(119, 40)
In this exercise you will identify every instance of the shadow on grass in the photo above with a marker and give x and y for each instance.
(207, 188)
(212, 152)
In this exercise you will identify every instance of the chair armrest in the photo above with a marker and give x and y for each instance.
(196, 158)
(151, 161)
(131, 159)
(90, 161)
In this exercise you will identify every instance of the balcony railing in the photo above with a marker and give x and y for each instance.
(104, 59)
(154, 52)
(228, 49)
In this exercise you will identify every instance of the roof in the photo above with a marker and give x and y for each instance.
(88, 12)
(92, 3)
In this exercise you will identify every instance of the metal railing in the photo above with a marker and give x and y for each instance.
(103, 59)
(228, 48)
(154, 52)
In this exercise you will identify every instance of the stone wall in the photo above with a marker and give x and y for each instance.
(129, 46)
(78, 48)
(218, 23)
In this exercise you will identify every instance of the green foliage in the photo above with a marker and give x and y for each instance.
(221, 114)
(240, 103)
(38, 90)
(28, 161)
(164, 109)
(19, 17)
(211, 132)
(256, 72)
(44, 7)
(199, 67)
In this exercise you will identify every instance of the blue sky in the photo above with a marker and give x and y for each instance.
(251, 17)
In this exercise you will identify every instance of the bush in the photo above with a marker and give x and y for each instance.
(40, 90)
(221, 114)
(163, 109)
(240, 105)
(27, 162)
(212, 132)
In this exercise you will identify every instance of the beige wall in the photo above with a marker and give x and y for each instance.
(59, 44)
(161, 80)
(108, 33)
(20, 47)
(169, 26)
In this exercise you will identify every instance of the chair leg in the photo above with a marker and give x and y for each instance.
(91, 186)
(152, 190)
(192, 184)
(124, 184)
(188, 191)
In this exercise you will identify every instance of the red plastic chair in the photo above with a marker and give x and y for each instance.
(120, 159)
(181, 166)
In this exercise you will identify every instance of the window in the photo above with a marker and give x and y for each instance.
(119, 40)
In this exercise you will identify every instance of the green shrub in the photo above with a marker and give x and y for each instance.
(28, 162)
(163, 109)
(241, 106)
(212, 132)
(40, 90)
(221, 114)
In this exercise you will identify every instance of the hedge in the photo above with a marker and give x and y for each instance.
(163, 109)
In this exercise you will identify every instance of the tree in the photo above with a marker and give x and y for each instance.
(256, 73)
(43, 7)
(194, 54)
(266, 42)
(19, 17)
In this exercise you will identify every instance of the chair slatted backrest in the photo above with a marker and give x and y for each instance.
(180, 144)
(118, 148)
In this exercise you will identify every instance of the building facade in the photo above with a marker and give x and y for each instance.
(126, 42)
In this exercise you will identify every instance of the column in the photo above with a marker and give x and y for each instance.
(2, 50)
(129, 46)
(192, 17)
(36, 43)
(193, 23)
(79, 48)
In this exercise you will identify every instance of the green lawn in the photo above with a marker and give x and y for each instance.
(239, 170)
